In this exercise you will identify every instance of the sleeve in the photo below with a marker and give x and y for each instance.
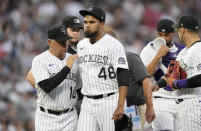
(197, 61)
(137, 67)
(39, 70)
(118, 55)
(147, 55)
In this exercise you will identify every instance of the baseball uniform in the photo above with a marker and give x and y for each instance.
(164, 105)
(61, 98)
(189, 106)
(98, 65)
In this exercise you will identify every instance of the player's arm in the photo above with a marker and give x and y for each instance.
(140, 74)
(192, 82)
(118, 59)
(49, 84)
(151, 67)
(122, 78)
(30, 78)
(150, 114)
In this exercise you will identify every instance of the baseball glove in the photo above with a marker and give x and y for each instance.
(173, 73)
(124, 124)
(183, 74)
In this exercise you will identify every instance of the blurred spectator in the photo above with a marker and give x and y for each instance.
(23, 29)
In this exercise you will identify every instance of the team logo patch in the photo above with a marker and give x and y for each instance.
(199, 67)
(121, 60)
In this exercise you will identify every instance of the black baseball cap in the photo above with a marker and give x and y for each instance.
(72, 22)
(189, 22)
(94, 11)
(165, 26)
(58, 33)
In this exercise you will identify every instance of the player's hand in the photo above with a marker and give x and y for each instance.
(70, 61)
(150, 114)
(154, 87)
(163, 51)
(118, 114)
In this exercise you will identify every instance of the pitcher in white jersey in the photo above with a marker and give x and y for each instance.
(104, 72)
(188, 111)
(53, 70)
(156, 62)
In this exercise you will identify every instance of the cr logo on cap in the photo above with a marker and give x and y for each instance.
(63, 30)
(76, 20)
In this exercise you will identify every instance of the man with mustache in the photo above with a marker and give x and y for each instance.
(104, 71)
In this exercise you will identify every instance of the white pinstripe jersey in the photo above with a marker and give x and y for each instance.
(64, 95)
(98, 64)
(147, 55)
(190, 60)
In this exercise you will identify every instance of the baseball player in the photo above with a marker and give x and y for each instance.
(53, 72)
(73, 26)
(188, 98)
(103, 68)
(156, 62)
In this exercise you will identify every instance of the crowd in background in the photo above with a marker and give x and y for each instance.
(23, 35)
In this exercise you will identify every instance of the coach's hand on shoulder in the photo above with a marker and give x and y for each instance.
(163, 51)
(118, 114)
(70, 61)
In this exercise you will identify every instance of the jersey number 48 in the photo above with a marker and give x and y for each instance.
(111, 73)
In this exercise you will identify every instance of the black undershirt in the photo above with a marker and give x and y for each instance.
(49, 84)
(122, 77)
(194, 81)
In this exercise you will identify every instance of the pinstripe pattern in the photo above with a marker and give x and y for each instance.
(107, 53)
(165, 107)
(189, 115)
(97, 114)
(189, 59)
(45, 66)
(92, 57)
(50, 122)
(165, 114)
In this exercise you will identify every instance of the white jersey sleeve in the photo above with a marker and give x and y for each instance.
(39, 70)
(147, 54)
(117, 55)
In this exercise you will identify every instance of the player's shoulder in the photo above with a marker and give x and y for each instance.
(196, 47)
(148, 48)
(82, 42)
(111, 39)
(41, 56)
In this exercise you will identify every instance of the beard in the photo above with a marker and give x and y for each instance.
(169, 44)
(88, 34)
